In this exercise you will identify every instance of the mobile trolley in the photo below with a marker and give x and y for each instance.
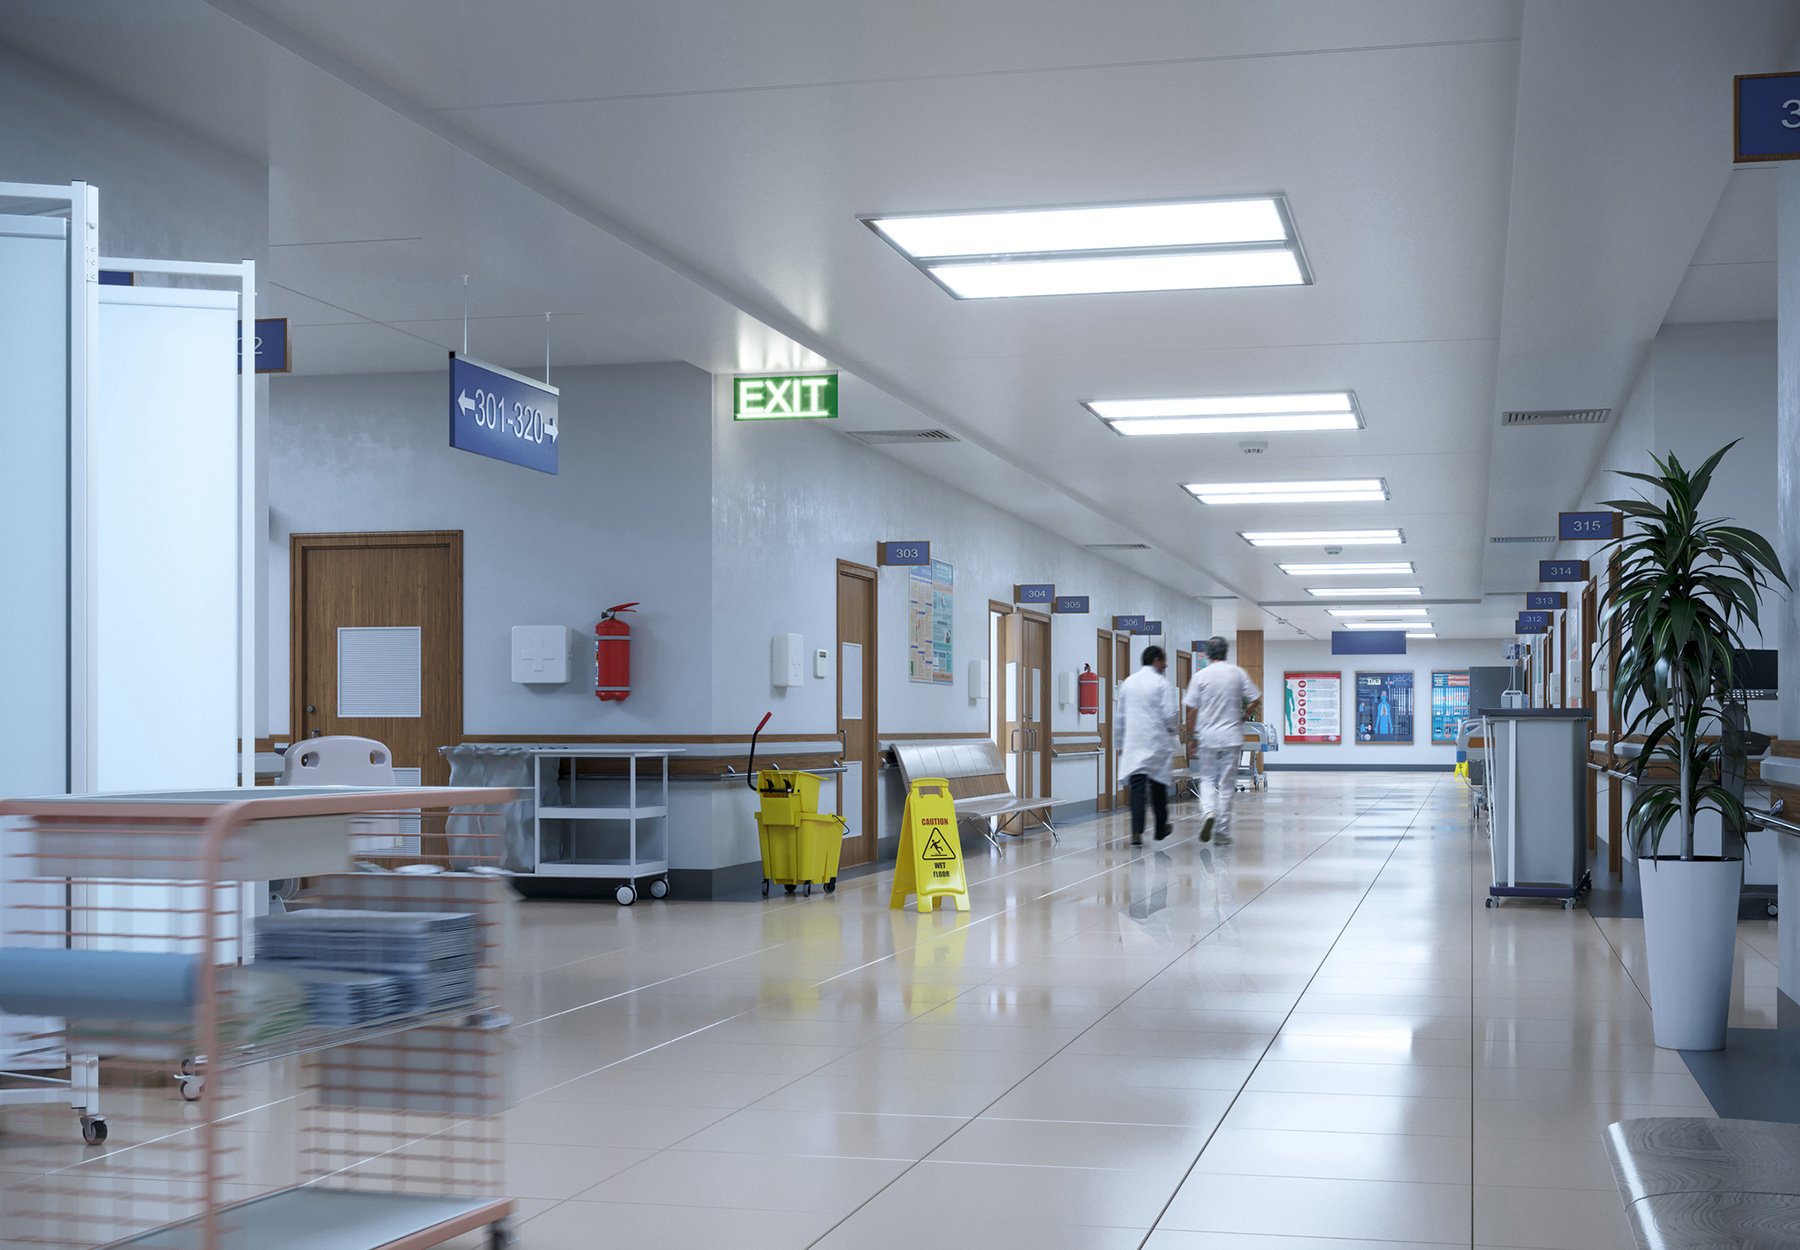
(1536, 803)
(290, 1124)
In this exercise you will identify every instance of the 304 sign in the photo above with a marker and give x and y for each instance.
(504, 415)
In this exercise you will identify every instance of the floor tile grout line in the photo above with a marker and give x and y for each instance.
(1251, 1075)
(1469, 861)
(1292, 868)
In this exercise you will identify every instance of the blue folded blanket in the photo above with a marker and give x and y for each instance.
(146, 987)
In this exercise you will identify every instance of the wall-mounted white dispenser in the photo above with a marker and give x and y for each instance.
(787, 660)
(978, 680)
(1065, 689)
(540, 654)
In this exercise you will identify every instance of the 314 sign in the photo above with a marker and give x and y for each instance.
(504, 415)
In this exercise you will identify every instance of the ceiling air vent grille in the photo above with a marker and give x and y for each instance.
(1537, 538)
(1118, 546)
(1557, 416)
(904, 436)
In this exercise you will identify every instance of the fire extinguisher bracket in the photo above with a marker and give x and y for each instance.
(612, 655)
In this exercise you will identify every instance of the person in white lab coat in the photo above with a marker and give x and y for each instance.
(1216, 700)
(1146, 721)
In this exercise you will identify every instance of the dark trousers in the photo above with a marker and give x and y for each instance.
(1159, 799)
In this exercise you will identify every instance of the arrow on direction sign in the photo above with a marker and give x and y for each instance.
(465, 403)
(550, 426)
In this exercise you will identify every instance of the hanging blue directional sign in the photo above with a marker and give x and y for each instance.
(1075, 605)
(505, 415)
(1546, 600)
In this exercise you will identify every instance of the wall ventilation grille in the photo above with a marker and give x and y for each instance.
(904, 436)
(1539, 538)
(1118, 546)
(1557, 416)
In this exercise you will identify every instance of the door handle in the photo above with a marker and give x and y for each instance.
(1012, 743)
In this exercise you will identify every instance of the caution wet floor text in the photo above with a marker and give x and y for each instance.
(930, 862)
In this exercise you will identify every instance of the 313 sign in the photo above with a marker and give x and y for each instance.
(504, 415)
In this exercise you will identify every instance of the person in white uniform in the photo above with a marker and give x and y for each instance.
(1146, 721)
(1216, 700)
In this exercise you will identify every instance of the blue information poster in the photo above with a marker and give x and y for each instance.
(931, 604)
(1384, 707)
(1449, 704)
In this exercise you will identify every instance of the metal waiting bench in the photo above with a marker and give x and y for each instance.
(977, 776)
(1698, 1184)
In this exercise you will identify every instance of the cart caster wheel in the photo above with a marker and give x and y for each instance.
(659, 888)
(93, 1130)
(1493, 902)
(1568, 904)
(831, 886)
(1773, 909)
(500, 1235)
(626, 895)
(807, 892)
(789, 888)
(765, 887)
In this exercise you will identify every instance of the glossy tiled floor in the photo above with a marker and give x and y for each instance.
(1313, 1039)
(1316, 1037)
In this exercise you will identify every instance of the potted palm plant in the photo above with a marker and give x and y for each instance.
(1684, 586)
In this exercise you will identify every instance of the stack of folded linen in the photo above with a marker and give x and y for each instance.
(429, 955)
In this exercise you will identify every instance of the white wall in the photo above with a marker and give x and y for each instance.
(792, 498)
(1423, 657)
(627, 517)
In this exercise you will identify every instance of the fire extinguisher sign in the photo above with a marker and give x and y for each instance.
(504, 415)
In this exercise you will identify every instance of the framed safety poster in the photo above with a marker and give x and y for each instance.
(930, 609)
(1384, 707)
(1449, 704)
(1313, 708)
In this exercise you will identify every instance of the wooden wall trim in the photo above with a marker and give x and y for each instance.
(887, 737)
(609, 739)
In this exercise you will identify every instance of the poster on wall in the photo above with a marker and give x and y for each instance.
(1384, 707)
(1312, 710)
(931, 601)
(1449, 704)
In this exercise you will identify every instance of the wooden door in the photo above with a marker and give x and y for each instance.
(1008, 667)
(386, 610)
(1034, 708)
(1103, 657)
(1124, 665)
(857, 795)
(1184, 672)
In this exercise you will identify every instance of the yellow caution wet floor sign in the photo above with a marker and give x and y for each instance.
(930, 860)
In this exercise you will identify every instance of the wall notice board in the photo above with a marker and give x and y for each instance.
(1384, 707)
(930, 607)
(1312, 708)
(1449, 704)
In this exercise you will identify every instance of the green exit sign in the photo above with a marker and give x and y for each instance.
(784, 397)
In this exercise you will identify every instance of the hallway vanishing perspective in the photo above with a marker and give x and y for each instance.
(1318, 1033)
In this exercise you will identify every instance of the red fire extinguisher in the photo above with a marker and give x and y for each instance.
(612, 655)
(1087, 698)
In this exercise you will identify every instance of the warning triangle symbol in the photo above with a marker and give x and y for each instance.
(937, 848)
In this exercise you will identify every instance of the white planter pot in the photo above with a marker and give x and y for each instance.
(1690, 931)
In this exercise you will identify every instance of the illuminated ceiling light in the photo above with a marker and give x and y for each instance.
(1314, 538)
(1187, 245)
(1326, 570)
(1344, 490)
(1229, 414)
(1384, 612)
(1362, 592)
(1395, 625)
(1421, 635)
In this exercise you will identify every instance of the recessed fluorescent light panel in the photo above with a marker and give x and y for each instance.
(1421, 635)
(1229, 414)
(1363, 592)
(1328, 538)
(1378, 624)
(1327, 570)
(1344, 490)
(1180, 246)
(1381, 612)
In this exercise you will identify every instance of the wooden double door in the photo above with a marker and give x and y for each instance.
(1022, 664)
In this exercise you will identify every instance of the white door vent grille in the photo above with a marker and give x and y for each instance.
(1537, 538)
(1557, 416)
(1118, 546)
(904, 436)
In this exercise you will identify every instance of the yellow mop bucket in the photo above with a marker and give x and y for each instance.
(800, 844)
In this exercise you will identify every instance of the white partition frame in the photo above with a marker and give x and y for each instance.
(243, 275)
